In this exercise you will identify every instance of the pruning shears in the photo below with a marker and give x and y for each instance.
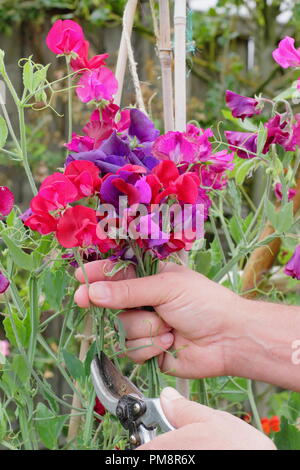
(139, 415)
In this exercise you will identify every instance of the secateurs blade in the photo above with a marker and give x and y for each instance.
(139, 415)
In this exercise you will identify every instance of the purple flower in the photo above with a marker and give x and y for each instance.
(278, 192)
(293, 266)
(242, 106)
(141, 127)
(286, 54)
(28, 213)
(246, 140)
(4, 283)
(6, 201)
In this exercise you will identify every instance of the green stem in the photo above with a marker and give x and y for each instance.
(70, 120)
(34, 317)
(203, 396)
(24, 150)
(253, 405)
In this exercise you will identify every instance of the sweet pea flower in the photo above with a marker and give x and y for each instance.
(178, 147)
(42, 223)
(278, 192)
(292, 268)
(4, 283)
(85, 177)
(286, 54)
(65, 37)
(6, 201)
(247, 141)
(4, 347)
(80, 143)
(77, 227)
(82, 61)
(97, 85)
(242, 106)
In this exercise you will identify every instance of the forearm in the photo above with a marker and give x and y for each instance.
(265, 344)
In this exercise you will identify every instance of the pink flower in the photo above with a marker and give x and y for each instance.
(221, 161)
(4, 347)
(97, 85)
(189, 146)
(242, 106)
(83, 62)
(278, 192)
(65, 37)
(80, 143)
(286, 54)
(85, 177)
(6, 201)
(4, 283)
(293, 266)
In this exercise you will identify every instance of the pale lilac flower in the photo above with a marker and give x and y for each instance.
(4, 348)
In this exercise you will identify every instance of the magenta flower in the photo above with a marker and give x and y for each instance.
(278, 192)
(6, 201)
(190, 146)
(83, 62)
(242, 106)
(246, 141)
(286, 54)
(293, 266)
(4, 347)
(65, 37)
(97, 85)
(4, 283)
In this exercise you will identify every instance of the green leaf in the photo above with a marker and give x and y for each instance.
(202, 262)
(20, 258)
(54, 287)
(89, 357)
(39, 77)
(48, 425)
(261, 138)
(285, 217)
(3, 424)
(288, 438)
(244, 168)
(74, 365)
(246, 125)
(3, 132)
(281, 219)
(271, 213)
(28, 75)
(22, 327)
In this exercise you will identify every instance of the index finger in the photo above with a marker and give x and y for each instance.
(99, 271)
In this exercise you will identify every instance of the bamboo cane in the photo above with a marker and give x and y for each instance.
(165, 56)
(128, 19)
(182, 385)
(262, 259)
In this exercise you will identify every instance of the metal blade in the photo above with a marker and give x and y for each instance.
(110, 384)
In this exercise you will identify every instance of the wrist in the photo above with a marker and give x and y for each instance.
(259, 343)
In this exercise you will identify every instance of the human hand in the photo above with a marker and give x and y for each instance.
(202, 428)
(193, 315)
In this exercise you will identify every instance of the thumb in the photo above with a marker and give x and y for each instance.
(181, 411)
(130, 293)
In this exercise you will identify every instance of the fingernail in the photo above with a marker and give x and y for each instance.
(170, 393)
(99, 292)
(167, 338)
